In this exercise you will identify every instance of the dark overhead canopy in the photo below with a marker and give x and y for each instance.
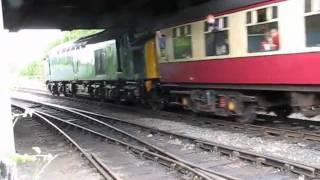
(93, 14)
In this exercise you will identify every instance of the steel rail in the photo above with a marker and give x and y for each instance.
(105, 172)
(151, 147)
(138, 150)
(169, 162)
(269, 131)
(298, 168)
(284, 164)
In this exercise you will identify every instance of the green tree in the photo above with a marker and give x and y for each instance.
(36, 67)
(33, 69)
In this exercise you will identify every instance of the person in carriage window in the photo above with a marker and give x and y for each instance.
(162, 45)
(223, 48)
(275, 38)
(271, 41)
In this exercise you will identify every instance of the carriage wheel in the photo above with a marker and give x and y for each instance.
(156, 102)
(248, 116)
(282, 113)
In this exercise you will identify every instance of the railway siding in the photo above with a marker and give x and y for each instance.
(221, 131)
(67, 163)
(130, 167)
(271, 172)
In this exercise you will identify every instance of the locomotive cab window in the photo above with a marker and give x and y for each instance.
(182, 42)
(312, 23)
(262, 29)
(100, 61)
(216, 37)
(138, 62)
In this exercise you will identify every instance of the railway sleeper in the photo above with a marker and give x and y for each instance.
(303, 171)
(291, 167)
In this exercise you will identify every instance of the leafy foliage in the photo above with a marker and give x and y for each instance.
(36, 67)
(33, 69)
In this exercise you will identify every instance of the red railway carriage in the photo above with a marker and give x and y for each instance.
(262, 56)
(286, 69)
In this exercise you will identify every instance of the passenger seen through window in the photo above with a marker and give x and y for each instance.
(263, 37)
(271, 41)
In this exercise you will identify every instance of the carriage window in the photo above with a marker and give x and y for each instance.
(308, 6)
(312, 23)
(225, 22)
(313, 30)
(100, 61)
(182, 42)
(217, 43)
(274, 12)
(263, 37)
(249, 17)
(182, 33)
(263, 34)
(216, 37)
(262, 15)
(174, 32)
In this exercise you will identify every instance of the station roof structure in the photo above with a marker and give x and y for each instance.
(104, 14)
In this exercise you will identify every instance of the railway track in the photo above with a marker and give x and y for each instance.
(290, 128)
(93, 160)
(64, 156)
(208, 158)
(66, 125)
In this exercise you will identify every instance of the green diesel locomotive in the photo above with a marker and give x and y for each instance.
(119, 69)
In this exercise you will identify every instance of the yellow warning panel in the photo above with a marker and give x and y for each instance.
(152, 70)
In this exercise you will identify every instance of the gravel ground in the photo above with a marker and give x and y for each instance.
(210, 160)
(278, 148)
(68, 165)
(255, 144)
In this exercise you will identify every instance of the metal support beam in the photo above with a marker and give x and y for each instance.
(7, 149)
(1, 17)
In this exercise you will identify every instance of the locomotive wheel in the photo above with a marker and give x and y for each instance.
(64, 90)
(55, 90)
(248, 116)
(74, 90)
(101, 94)
(90, 91)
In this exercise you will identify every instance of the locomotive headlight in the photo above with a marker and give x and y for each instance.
(231, 106)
